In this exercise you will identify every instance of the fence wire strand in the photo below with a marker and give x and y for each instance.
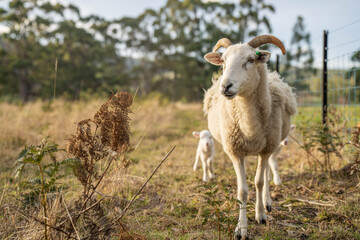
(344, 26)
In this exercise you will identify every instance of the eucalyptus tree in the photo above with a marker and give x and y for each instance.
(24, 38)
(355, 72)
(87, 57)
(159, 50)
(299, 57)
(171, 42)
(42, 34)
(254, 13)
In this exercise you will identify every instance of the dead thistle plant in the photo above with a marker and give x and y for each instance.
(110, 139)
(106, 136)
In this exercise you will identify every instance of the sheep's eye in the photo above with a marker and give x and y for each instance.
(251, 60)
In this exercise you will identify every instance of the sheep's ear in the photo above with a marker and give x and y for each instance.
(214, 58)
(196, 134)
(293, 126)
(263, 56)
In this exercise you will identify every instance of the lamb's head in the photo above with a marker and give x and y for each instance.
(205, 139)
(286, 140)
(240, 64)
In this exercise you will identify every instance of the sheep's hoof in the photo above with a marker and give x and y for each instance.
(277, 181)
(268, 208)
(237, 236)
(261, 221)
(240, 232)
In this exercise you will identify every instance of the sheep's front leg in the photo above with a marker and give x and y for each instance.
(260, 214)
(242, 195)
(197, 158)
(266, 192)
(210, 166)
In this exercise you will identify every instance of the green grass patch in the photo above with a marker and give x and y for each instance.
(350, 112)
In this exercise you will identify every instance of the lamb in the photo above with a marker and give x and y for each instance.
(205, 152)
(273, 161)
(248, 110)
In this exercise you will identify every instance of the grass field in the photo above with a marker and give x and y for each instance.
(308, 205)
(350, 112)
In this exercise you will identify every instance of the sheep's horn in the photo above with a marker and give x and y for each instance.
(224, 42)
(262, 39)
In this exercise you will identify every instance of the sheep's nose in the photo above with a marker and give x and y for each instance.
(226, 89)
(207, 144)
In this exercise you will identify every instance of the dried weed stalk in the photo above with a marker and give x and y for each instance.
(109, 139)
(355, 142)
(106, 136)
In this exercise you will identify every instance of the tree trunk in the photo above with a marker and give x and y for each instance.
(23, 85)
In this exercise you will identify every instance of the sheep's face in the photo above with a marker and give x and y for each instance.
(240, 63)
(205, 139)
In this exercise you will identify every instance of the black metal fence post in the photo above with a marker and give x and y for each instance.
(325, 80)
(277, 63)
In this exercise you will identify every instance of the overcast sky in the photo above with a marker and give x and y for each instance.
(318, 15)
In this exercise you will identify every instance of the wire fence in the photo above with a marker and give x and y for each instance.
(343, 86)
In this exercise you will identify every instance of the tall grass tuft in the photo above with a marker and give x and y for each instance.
(324, 143)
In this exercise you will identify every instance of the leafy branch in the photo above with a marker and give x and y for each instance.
(35, 156)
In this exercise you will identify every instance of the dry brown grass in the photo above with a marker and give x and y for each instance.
(171, 207)
(29, 124)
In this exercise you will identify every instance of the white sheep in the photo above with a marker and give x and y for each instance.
(249, 111)
(273, 160)
(205, 152)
